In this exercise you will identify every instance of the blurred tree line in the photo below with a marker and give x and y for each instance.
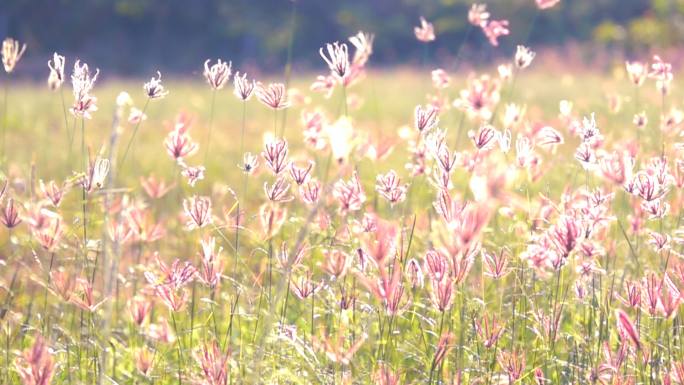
(131, 37)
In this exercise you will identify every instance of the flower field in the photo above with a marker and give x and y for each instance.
(512, 223)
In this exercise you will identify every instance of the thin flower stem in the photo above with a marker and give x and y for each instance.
(287, 297)
(636, 111)
(4, 125)
(313, 309)
(135, 131)
(662, 132)
(84, 202)
(242, 130)
(45, 297)
(270, 270)
(66, 122)
(275, 123)
(211, 125)
(434, 364)
(243, 192)
(344, 96)
(180, 354)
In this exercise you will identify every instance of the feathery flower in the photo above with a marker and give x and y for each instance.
(50, 236)
(440, 78)
(523, 57)
(83, 82)
(174, 298)
(303, 285)
(301, 174)
(478, 15)
(272, 217)
(627, 329)
(9, 216)
(334, 347)
(211, 267)
(154, 88)
(363, 44)
(176, 275)
(660, 70)
(425, 32)
(637, 72)
(193, 174)
(274, 95)
(179, 144)
(56, 77)
(547, 136)
(218, 74)
(275, 155)
(496, 263)
(350, 195)
(243, 88)
(505, 71)
(198, 211)
(35, 365)
(444, 345)
(155, 188)
(139, 308)
(494, 29)
(513, 363)
(310, 192)
(485, 138)
(277, 192)
(489, 329)
(425, 118)
(336, 262)
(213, 364)
(11, 53)
(144, 361)
(337, 59)
(85, 296)
(546, 4)
(52, 192)
(414, 273)
(136, 116)
(389, 187)
(97, 174)
(324, 84)
(480, 97)
(441, 293)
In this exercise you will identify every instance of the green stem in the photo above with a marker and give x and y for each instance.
(211, 126)
(178, 344)
(84, 159)
(135, 131)
(4, 125)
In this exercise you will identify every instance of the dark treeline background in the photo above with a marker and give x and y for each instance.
(134, 37)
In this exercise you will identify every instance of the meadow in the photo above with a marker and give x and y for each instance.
(471, 225)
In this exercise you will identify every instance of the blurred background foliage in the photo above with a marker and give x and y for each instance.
(132, 37)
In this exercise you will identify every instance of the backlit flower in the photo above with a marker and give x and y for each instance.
(478, 15)
(274, 95)
(243, 88)
(198, 211)
(154, 88)
(495, 29)
(11, 53)
(337, 59)
(523, 57)
(425, 32)
(217, 75)
(56, 77)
